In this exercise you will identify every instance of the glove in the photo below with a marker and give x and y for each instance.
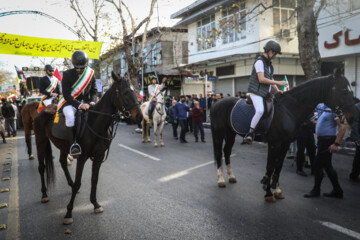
(175, 121)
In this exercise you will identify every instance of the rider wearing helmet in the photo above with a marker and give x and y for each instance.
(79, 90)
(153, 90)
(49, 86)
(261, 82)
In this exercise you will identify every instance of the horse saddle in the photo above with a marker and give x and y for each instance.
(241, 116)
(61, 131)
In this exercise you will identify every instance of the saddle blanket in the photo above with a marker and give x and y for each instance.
(241, 116)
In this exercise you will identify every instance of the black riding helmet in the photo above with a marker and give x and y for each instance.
(79, 59)
(153, 77)
(49, 67)
(272, 45)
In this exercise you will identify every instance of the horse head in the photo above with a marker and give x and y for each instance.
(124, 98)
(341, 98)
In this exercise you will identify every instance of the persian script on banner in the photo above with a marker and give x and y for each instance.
(46, 47)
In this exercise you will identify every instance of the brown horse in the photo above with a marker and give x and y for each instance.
(28, 114)
(95, 140)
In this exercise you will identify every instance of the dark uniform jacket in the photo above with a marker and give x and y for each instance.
(44, 83)
(88, 95)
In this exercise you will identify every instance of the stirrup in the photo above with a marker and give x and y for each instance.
(75, 150)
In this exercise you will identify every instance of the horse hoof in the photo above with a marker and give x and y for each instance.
(45, 199)
(232, 180)
(31, 157)
(149, 141)
(221, 184)
(68, 221)
(143, 141)
(98, 210)
(162, 144)
(155, 145)
(270, 199)
(279, 195)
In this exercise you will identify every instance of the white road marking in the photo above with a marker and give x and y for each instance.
(341, 229)
(182, 173)
(138, 152)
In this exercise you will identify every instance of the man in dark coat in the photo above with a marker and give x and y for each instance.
(45, 82)
(83, 101)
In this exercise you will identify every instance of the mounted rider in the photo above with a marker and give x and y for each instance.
(153, 90)
(79, 92)
(261, 82)
(49, 87)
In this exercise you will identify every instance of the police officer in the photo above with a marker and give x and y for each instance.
(261, 82)
(153, 90)
(45, 83)
(87, 97)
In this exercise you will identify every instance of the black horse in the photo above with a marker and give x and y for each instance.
(290, 110)
(95, 140)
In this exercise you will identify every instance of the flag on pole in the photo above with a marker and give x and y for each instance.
(141, 94)
(20, 74)
(17, 80)
(287, 87)
(57, 75)
(11, 96)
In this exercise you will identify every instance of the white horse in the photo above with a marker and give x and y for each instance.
(158, 119)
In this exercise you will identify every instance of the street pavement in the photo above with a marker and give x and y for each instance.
(171, 193)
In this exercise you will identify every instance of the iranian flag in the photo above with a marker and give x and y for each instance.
(20, 74)
(12, 96)
(285, 88)
(141, 94)
(57, 75)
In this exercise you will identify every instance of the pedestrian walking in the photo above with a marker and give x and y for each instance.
(197, 121)
(180, 115)
(355, 136)
(9, 114)
(171, 119)
(329, 130)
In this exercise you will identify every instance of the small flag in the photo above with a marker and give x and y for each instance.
(57, 75)
(287, 87)
(20, 74)
(11, 96)
(141, 94)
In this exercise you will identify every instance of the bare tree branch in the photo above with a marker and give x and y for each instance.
(146, 26)
(131, 17)
(83, 20)
(321, 6)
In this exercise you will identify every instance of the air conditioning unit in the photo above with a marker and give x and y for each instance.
(287, 34)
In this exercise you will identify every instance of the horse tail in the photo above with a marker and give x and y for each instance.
(49, 164)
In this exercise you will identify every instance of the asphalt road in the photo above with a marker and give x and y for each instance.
(172, 193)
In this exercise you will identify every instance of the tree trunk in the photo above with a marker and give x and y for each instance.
(133, 67)
(308, 39)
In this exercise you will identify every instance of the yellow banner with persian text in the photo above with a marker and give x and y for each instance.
(46, 47)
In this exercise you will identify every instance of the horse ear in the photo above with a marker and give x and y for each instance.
(339, 70)
(115, 76)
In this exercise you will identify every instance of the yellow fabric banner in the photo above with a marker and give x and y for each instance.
(46, 47)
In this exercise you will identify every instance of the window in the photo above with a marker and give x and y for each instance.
(233, 23)
(284, 16)
(184, 50)
(167, 52)
(156, 54)
(206, 33)
(355, 5)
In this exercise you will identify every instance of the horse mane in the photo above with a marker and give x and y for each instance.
(314, 88)
(108, 93)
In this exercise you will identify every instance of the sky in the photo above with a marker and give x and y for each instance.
(40, 26)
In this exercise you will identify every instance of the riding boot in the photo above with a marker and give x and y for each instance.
(75, 149)
(3, 137)
(250, 136)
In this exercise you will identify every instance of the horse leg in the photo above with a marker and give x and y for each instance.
(229, 142)
(41, 168)
(76, 186)
(94, 181)
(161, 136)
(143, 134)
(278, 166)
(148, 132)
(63, 162)
(155, 133)
(270, 166)
(27, 129)
(218, 138)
